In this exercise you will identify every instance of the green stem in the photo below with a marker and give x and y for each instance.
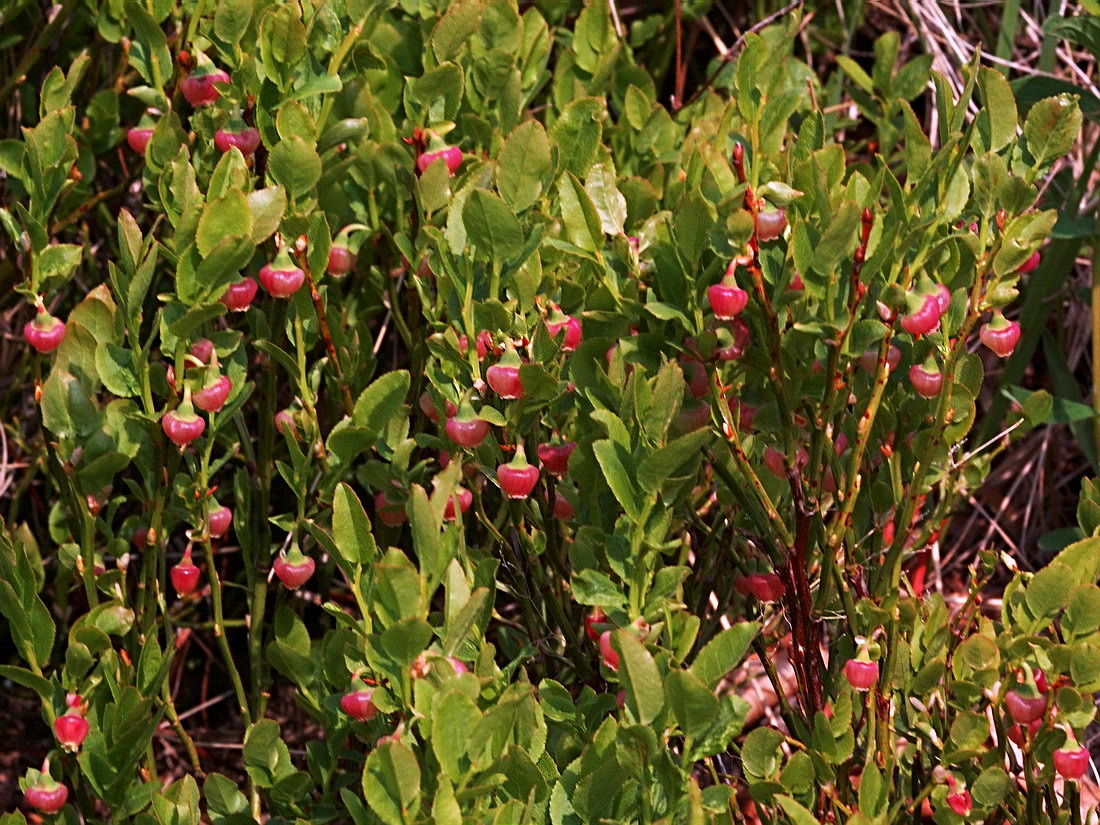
(257, 563)
(336, 61)
(153, 554)
(216, 584)
(177, 726)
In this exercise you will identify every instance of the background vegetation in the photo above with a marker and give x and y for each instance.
(755, 499)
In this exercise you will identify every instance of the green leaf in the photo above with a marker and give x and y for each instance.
(391, 782)
(1084, 30)
(67, 409)
(978, 652)
(322, 85)
(115, 367)
(1052, 127)
(434, 186)
(1040, 407)
(760, 752)
(289, 649)
(798, 813)
(227, 216)
(76, 355)
(397, 588)
(230, 173)
(266, 756)
(577, 134)
(990, 174)
(96, 313)
(406, 640)
(267, 207)
(1082, 615)
(178, 804)
(840, 239)
(1022, 236)
(556, 701)
(593, 36)
(918, 149)
(694, 705)
(149, 51)
(798, 773)
(666, 312)
(295, 164)
(856, 73)
(614, 460)
(319, 237)
(872, 791)
(453, 717)
(578, 213)
(661, 464)
(1049, 588)
(231, 19)
(431, 549)
(997, 120)
(351, 528)
(455, 28)
(220, 268)
(295, 119)
(523, 165)
(723, 653)
(691, 225)
(129, 241)
(637, 107)
(283, 42)
(58, 261)
(382, 401)
(608, 201)
(21, 676)
(460, 626)
(58, 87)
(991, 786)
(593, 587)
(225, 803)
(491, 226)
(444, 807)
(644, 688)
(440, 91)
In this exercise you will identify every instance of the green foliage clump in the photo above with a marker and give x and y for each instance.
(701, 325)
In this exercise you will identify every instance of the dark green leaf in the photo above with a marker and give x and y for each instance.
(491, 226)
(694, 705)
(227, 216)
(351, 528)
(578, 213)
(998, 118)
(295, 164)
(644, 687)
(723, 653)
(614, 461)
(577, 134)
(391, 782)
(384, 399)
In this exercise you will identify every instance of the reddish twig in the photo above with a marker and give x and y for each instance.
(858, 288)
(326, 331)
